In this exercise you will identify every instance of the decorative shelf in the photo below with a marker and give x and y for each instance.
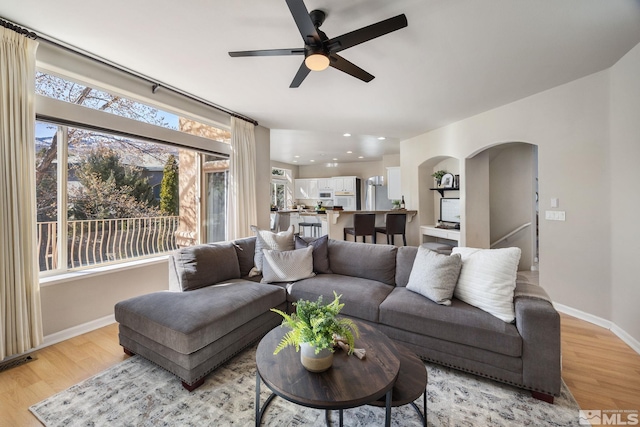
(442, 190)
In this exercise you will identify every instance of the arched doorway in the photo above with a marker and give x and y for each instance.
(500, 189)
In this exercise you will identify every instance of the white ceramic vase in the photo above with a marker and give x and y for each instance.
(315, 362)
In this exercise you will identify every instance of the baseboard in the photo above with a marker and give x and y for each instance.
(628, 339)
(77, 330)
(607, 324)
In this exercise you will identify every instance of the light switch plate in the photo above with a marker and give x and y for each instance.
(554, 215)
(555, 202)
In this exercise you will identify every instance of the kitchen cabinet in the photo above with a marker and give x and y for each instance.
(306, 188)
(344, 183)
(394, 188)
(325, 183)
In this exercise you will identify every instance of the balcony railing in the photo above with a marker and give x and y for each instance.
(92, 242)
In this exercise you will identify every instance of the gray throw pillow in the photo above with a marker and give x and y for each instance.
(267, 239)
(435, 275)
(287, 266)
(320, 252)
(203, 265)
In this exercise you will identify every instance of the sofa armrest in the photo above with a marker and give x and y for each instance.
(538, 323)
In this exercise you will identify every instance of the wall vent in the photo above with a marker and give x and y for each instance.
(16, 361)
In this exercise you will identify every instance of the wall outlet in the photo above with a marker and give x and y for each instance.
(554, 215)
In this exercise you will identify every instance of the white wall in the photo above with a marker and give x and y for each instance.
(624, 205)
(263, 175)
(512, 198)
(570, 125)
(82, 299)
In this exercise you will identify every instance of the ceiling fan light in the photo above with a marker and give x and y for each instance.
(317, 62)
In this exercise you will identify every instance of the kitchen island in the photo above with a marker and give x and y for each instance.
(338, 220)
(332, 222)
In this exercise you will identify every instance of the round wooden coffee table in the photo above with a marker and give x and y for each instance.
(411, 383)
(349, 383)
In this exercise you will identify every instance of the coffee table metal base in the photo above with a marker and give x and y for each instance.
(260, 409)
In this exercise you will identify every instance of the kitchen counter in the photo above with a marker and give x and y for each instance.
(334, 215)
(334, 221)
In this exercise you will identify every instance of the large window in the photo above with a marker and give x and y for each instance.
(104, 195)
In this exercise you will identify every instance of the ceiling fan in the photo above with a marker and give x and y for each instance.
(320, 51)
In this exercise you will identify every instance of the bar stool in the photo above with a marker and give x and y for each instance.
(395, 223)
(314, 226)
(363, 225)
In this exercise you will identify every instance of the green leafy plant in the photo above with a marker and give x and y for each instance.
(438, 174)
(317, 324)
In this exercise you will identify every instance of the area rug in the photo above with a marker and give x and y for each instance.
(136, 392)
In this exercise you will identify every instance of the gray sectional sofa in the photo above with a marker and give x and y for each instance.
(214, 310)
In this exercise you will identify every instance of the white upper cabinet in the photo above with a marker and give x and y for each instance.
(325, 184)
(394, 187)
(344, 183)
(306, 188)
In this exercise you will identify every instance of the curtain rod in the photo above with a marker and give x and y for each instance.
(155, 85)
(10, 26)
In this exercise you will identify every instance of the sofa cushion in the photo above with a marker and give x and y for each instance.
(460, 322)
(361, 297)
(245, 249)
(435, 275)
(189, 321)
(364, 260)
(267, 239)
(287, 266)
(488, 279)
(320, 252)
(404, 264)
(204, 265)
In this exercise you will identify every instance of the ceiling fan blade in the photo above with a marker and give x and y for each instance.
(338, 62)
(300, 14)
(367, 33)
(267, 52)
(302, 73)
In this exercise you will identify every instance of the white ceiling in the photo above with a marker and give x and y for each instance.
(455, 59)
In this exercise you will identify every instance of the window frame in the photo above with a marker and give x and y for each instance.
(65, 114)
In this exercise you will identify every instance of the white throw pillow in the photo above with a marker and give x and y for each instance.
(488, 279)
(434, 275)
(267, 239)
(287, 266)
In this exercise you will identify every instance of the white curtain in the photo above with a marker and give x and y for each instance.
(20, 313)
(242, 180)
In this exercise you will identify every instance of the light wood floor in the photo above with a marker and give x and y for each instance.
(601, 371)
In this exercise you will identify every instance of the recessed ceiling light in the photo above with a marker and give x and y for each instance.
(361, 157)
(346, 134)
(381, 138)
(312, 160)
(349, 152)
(335, 158)
(297, 157)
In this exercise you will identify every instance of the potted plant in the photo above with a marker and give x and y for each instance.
(438, 176)
(313, 328)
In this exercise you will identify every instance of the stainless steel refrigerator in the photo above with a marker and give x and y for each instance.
(375, 194)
